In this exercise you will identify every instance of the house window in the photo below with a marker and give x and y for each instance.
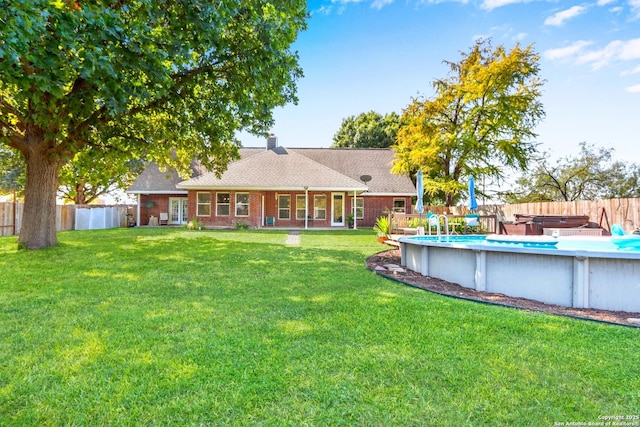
(300, 206)
(204, 204)
(284, 206)
(242, 204)
(222, 204)
(359, 204)
(320, 207)
(398, 205)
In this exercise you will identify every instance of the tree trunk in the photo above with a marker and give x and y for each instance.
(448, 199)
(39, 216)
(80, 195)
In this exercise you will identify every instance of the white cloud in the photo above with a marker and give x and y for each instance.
(379, 4)
(602, 57)
(605, 2)
(322, 10)
(567, 52)
(635, 6)
(564, 15)
(632, 71)
(630, 50)
(521, 36)
(494, 4)
(633, 89)
(617, 50)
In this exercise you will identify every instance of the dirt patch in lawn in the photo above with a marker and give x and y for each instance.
(378, 261)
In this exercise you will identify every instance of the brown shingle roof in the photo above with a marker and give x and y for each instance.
(277, 169)
(288, 168)
(357, 162)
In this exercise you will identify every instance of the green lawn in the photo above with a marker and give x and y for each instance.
(170, 327)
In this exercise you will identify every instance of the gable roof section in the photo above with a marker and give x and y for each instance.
(154, 181)
(356, 162)
(276, 169)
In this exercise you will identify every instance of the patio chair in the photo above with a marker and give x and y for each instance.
(471, 221)
(164, 218)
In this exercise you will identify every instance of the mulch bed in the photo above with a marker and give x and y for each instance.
(442, 287)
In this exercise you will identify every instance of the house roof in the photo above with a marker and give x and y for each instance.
(362, 162)
(152, 180)
(275, 169)
(322, 169)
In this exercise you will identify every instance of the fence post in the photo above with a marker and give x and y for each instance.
(15, 213)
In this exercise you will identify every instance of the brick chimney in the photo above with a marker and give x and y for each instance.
(272, 142)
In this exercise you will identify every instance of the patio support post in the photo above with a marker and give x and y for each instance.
(138, 224)
(355, 221)
(306, 207)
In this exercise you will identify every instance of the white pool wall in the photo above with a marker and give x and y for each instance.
(605, 280)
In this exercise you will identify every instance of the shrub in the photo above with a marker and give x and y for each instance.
(382, 226)
(194, 224)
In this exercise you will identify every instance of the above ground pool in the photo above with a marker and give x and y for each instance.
(571, 271)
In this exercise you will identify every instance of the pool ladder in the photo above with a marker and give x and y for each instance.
(439, 231)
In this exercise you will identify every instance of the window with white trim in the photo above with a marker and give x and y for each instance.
(359, 204)
(284, 206)
(320, 206)
(223, 204)
(203, 206)
(399, 205)
(300, 206)
(242, 204)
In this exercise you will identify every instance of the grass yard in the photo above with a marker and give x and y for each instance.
(170, 327)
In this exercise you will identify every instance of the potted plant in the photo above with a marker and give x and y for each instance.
(350, 220)
(382, 228)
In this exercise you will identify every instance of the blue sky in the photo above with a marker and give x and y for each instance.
(363, 55)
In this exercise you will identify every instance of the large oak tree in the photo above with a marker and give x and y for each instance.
(171, 80)
(479, 122)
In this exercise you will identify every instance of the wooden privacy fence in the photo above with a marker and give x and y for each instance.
(91, 217)
(601, 213)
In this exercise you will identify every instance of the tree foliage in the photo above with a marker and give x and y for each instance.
(172, 81)
(95, 173)
(367, 130)
(91, 174)
(11, 171)
(479, 122)
(592, 174)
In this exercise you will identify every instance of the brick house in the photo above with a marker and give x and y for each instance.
(280, 187)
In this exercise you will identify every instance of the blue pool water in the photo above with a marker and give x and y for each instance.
(594, 244)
